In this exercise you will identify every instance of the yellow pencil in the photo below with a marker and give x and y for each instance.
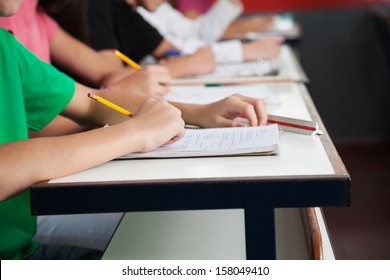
(110, 104)
(128, 60)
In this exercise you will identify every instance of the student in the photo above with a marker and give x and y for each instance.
(28, 25)
(210, 27)
(193, 9)
(116, 25)
(187, 35)
(224, 12)
(33, 93)
(41, 35)
(120, 14)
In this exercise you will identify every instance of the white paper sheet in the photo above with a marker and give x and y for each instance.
(219, 141)
(205, 95)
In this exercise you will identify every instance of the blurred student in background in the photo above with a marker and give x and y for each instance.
(229, 11)
(189, 35)
(114, 24)
(193, 9)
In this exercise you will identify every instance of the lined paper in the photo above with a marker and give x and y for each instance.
(219, 141)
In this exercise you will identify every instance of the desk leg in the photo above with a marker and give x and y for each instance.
(260, 233)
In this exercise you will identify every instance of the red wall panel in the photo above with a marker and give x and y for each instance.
(290, 5)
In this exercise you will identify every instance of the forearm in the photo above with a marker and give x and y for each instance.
(191, 113)
(88, 112)
(59, 126)
(82, 61)
(182, 67)
(27, 162)
(191, 65)
(112, 79)
(161, 49)
(236, 29)
(101, 114)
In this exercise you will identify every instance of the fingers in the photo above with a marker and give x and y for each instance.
(180, 131)
(176, 138)
(276, 39)
(159, 73)
(253, 109)
(265, 48)
(160, 90)
(158, 79)
(230, 123)
(161, 123)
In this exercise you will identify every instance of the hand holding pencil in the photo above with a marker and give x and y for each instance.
(167, 128)
(159, 75)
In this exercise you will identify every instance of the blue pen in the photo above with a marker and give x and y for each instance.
(172, 53)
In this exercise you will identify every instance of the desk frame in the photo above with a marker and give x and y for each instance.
(257, 196)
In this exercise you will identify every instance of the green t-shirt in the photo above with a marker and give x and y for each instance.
(32, 93)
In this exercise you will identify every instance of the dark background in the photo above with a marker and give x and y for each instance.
(346, 58)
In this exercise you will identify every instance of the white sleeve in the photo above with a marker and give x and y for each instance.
(228, 51)
(174, 27)
(170, 22)
(186, 34)
(208, 27)
(212, 25)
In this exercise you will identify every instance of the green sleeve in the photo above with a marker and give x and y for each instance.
(46, 90)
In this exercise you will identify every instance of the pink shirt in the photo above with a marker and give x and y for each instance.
(33, 28)
(201, 6)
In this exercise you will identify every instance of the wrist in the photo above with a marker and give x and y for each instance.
(249, 53)
(191, 113)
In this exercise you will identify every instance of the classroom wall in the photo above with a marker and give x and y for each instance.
(342, 55)
(297, 5)
(349, 81)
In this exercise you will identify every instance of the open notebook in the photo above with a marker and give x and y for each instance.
(259, 140)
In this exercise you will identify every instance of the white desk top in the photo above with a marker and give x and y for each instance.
(299, 155)
(289, 69)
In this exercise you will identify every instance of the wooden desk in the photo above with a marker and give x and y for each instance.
(307, 172)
